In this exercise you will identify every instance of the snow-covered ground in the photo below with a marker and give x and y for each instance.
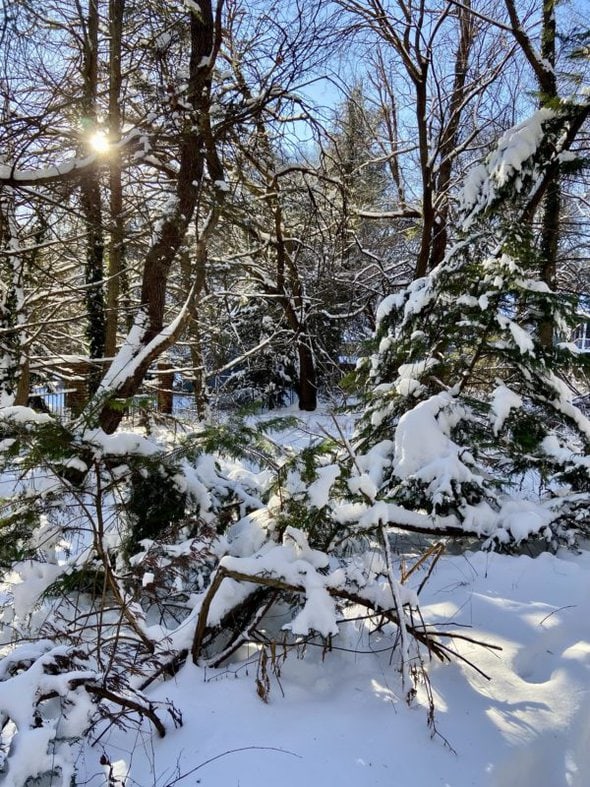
(515, 716)
(341, 718)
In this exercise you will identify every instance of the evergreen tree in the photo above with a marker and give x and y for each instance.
(268, 376)
(461, 377)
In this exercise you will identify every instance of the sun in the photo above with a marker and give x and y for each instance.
(99, 142)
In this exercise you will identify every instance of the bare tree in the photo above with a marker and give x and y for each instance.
(434, 62)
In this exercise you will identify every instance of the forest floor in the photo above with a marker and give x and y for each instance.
(341, 718)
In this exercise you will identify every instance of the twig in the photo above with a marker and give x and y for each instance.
(125, 702)
(393, 586)
(559, 609)
(225, 754)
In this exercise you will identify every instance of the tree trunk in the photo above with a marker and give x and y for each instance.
(13, 339)
(450, 134)
(194, 332)
(426, 174)
(91, 201)
(544, 69)
(551, 225)
(116, 251)
(307, 388)
(145, 341)
(94, 296)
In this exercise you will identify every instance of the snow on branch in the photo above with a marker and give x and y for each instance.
(505, 164)
(72, 168)
(135, 355)
(294, 567)
(522, 160)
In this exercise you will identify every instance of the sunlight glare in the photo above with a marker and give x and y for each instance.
(99, 142)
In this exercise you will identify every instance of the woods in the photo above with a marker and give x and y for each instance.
(374, 211)
(194, 189)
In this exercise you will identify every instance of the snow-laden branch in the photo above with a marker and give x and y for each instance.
(523, 160)
(134, 353)
(72, 168)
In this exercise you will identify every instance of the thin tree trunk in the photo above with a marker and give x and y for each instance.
(307, 388)
(116, 251)
(551, 226)
(13, 361)
(189, 272)
(544, 69)
(196, 147)
(427, 184)
(449, 135)
(91, 201)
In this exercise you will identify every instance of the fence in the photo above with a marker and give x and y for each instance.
(56, 401)
(51, 400)
(67, 392)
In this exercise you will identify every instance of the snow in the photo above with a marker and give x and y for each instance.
(297, 564)
(523, 340)
(425, 450)
(319, 490)
(340, 717)
(553, 447)
(335, 712)
(121, 443)
(523, 517)
(57, 171)
(408, 381)
(23, 415)
(515, 148)
(125, 362)
(364, 484)
(37, 749)
(393, 301)
(133, 352)
(503, 401)
(33, 579)
(193, 7)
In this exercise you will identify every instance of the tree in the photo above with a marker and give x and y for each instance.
(464, 382)
(266, 224)
(169, 167)
(90, 191)
(543, 60)
(440, 61)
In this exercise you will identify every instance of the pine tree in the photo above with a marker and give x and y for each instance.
(461, 378)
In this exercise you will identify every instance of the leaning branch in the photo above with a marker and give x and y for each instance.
(144, 709)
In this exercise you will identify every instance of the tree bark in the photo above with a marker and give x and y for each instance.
(190, 272)
(12, 338)
(551, 224)
(427, 180)
(307, 388)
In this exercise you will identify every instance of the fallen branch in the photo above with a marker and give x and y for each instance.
(420, 634)
(225, 754)
(125, 702)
